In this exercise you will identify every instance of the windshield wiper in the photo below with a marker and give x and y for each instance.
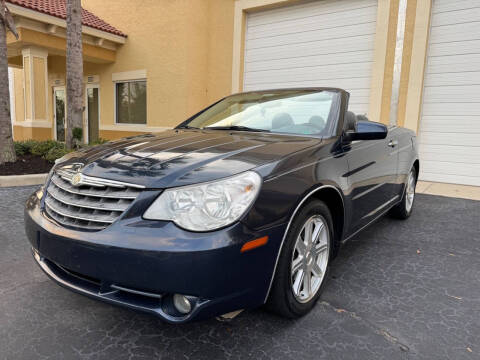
(235, 127)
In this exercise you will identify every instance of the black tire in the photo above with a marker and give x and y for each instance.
(281, 299)
(401, 210)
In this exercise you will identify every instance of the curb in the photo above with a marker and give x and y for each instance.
(22, 180)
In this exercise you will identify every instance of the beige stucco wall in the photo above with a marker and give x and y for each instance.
(406, 59)
(220, 49)
(19, 99)
(39, 88)
(27, 84)
(413, 88)
(184, 46)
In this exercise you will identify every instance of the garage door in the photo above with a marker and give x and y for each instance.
(450, 122)
(322, 43)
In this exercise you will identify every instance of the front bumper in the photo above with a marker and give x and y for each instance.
(140, 264)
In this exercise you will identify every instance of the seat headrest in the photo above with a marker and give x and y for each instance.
(317, 121)
(282, 120)
(362, 118)
(350, 121)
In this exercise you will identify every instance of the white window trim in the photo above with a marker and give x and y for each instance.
(55, 88)
(115, 98)
(130, 75)
(86, 125)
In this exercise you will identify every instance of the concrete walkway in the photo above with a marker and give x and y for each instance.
(449, 190)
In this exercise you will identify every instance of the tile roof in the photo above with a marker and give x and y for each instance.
(58, 8)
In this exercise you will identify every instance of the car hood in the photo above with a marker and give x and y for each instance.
(183, 157)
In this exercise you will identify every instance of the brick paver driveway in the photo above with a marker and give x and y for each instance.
(399, 290)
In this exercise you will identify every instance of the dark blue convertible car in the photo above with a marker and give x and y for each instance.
(246, 203)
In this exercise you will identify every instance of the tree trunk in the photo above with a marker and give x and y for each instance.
(7, 150)
(74, 70)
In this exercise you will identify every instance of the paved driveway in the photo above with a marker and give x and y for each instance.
(400, 290)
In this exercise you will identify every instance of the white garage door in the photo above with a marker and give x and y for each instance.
(450, 123)
(323, 43)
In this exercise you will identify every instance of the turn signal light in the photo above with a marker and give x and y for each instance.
(254, 244)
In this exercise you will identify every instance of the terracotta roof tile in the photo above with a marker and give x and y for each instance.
(58, 9)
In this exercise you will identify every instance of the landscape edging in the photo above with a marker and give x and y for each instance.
(22, 180)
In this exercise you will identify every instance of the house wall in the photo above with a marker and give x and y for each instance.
(57, 72)
(31, 117)
(220, 49)
(192, 54)
(419, 43)
(406, 59)
(185, 48)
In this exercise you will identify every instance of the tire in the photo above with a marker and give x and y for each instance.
(404, 208)
(283, 300)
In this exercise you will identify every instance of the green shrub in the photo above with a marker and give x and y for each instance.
(50, 150)
(24, 147)
(41, 148)
(55, 153)
(77, 133)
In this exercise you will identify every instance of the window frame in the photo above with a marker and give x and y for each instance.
(86, 138)
(115, 113)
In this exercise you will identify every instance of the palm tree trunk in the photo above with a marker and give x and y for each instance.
(7, 150)
(74, 69)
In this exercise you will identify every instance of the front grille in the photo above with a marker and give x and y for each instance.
(92, 204)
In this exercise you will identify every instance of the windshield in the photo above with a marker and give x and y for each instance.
(307, 112)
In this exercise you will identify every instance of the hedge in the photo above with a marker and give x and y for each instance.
(50, 150)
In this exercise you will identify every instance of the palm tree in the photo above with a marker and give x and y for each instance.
(74, 70)
(7, 150)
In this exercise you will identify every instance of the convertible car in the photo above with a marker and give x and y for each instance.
(246, 203)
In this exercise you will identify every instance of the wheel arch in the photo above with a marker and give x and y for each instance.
(333, 198)
(416, 165)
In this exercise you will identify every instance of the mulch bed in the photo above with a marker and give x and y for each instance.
(26, 164)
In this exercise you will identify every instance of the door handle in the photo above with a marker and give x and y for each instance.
(393, 143)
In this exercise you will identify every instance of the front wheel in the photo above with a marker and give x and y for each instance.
(304, 261)
(404, 208)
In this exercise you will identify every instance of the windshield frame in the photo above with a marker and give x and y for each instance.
(332, 123)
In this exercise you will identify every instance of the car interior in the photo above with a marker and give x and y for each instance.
(283, 122)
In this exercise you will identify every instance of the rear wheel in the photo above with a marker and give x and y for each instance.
(303, 264)
(404, 209)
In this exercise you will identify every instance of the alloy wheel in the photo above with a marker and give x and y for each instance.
(410, 191)
(310, 258)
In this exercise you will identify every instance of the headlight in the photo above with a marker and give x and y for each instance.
(207, 206)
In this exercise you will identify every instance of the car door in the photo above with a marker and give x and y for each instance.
(372, 170)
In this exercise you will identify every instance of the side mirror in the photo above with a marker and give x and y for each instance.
(367, 130)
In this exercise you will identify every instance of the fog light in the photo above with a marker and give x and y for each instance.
(182, 304)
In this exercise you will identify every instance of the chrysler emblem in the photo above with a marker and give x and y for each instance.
(76, 179)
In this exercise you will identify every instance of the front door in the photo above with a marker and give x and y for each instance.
(372, 175)
(92, 112)
(59, 112)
